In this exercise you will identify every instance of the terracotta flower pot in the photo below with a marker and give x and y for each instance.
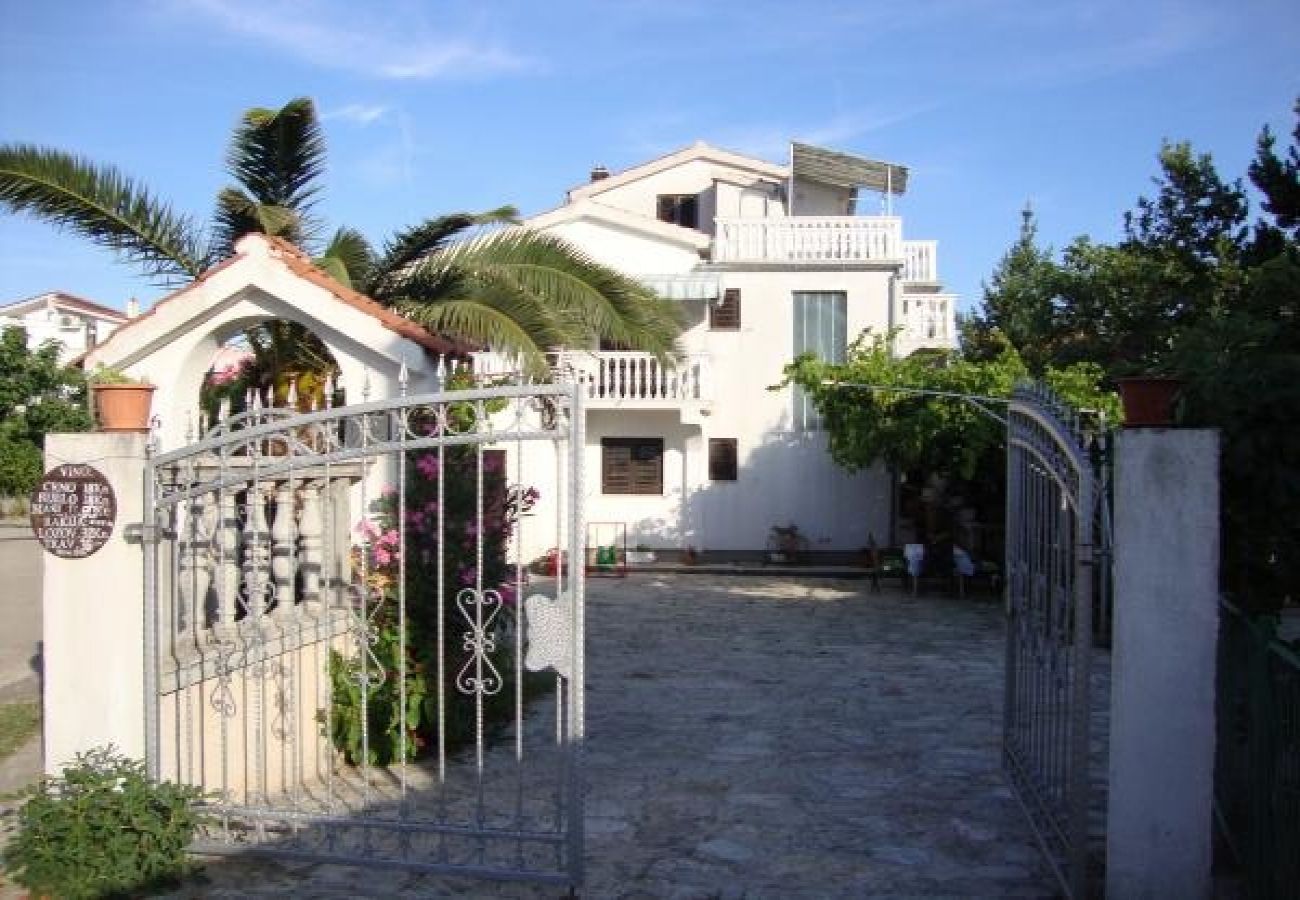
(123, 407)
(1148, 400)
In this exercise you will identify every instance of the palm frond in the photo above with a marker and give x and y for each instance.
(278, 156)
(105, 206)
(412, 244)
(598, 302)
(486, 324)
(239, 214)
(348, 257)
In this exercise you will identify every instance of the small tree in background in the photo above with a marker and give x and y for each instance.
(37, 396)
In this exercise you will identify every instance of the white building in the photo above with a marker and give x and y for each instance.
(73, 322)
(768, 261)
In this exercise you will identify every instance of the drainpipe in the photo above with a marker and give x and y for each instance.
(891, 312)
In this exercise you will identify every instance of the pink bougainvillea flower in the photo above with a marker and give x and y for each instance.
(428, 465)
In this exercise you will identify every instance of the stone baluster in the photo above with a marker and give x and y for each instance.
(257, 554)
(227, 560)
(282, 549)
(194, 527)
(310, 530)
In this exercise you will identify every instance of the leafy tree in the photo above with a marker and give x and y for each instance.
(1195, 290)
(37, 396)
(1019, 303)
(932, 413)
(517, 290)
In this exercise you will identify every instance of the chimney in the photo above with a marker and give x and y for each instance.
(599, 173)
(132, 308)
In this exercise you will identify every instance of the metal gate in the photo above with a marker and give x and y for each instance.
(1057, 541)
(343, 647)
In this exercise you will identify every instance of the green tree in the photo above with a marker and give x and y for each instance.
(932, 414)
(517, 290)
(1019, 302)
(1195, 289)
(37, 396)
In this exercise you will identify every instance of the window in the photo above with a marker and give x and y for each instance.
(820, 328)
(725, 314)
(722, 459)
(680, 209)
(632, 466)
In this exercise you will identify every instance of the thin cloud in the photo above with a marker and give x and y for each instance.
(357, 113)
(331, 36)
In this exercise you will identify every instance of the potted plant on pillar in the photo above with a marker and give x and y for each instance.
(121, 403)
(1148, 400)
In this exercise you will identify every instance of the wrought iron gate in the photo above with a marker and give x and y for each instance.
(342, 654)
(1057, 596)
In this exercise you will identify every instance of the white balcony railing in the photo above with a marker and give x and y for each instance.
(620, 378)
(927, 321)
(809, 239)
(920, 260)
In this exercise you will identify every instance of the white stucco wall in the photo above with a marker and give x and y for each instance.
(93, 637)
(1162, 730)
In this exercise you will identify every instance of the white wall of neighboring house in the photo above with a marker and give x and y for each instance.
(75, 324)
(785, 474)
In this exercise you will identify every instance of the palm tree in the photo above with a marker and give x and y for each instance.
(475, 277)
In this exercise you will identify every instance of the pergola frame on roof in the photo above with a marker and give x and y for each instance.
(845, 170)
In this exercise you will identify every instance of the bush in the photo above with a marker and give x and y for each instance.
(102, 829)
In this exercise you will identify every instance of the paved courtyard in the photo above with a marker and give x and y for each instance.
(768, 737)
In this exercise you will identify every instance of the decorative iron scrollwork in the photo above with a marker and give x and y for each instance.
(480, 609)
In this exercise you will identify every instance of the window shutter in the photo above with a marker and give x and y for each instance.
(725, 315)
(722, 459)
(632, 466)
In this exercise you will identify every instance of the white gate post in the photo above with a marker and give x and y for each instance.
(93, 642)
(1162, 688)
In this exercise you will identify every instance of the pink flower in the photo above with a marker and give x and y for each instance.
(428, 465)
(382, 556)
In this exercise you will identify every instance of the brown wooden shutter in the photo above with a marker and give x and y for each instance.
(632, 466)
(725, 315)
(722, 459)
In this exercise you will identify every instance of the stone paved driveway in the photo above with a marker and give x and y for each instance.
(769, 737)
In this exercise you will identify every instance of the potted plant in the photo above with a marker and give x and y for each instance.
(121, 403)
(1148, 400)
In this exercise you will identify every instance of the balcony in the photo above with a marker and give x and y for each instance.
(618, 379)
(927, 322)
(808, 239)
(824, 239)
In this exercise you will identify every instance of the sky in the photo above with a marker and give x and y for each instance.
(432, 107)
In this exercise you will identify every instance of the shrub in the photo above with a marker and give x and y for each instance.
(102, 829)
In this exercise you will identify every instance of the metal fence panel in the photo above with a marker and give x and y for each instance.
(340, 650)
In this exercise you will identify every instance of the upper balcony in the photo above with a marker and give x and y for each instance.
(809, 240)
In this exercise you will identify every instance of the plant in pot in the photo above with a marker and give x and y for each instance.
(121, 403)
(1149, 393)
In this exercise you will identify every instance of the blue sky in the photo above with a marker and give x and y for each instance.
(431, 107)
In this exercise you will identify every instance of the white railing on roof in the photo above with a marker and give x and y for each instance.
(809, 239)
(920, 260)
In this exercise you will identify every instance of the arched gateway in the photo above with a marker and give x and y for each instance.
(341, 645)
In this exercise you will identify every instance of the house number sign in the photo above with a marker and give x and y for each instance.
(73, 511)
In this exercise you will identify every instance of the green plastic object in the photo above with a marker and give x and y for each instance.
(605, 556)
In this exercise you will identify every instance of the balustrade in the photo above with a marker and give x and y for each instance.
(808, 239)
(270, 555)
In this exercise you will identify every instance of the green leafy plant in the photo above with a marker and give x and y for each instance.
(103, 828)
(109, 375)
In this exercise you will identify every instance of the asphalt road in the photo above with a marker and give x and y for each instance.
(20, 609)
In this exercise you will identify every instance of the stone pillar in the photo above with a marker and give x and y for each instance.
(1163, 676)
(93, 642)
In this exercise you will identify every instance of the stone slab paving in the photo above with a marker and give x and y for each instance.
(767, 737)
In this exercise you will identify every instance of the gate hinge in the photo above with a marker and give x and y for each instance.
(140, 533)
